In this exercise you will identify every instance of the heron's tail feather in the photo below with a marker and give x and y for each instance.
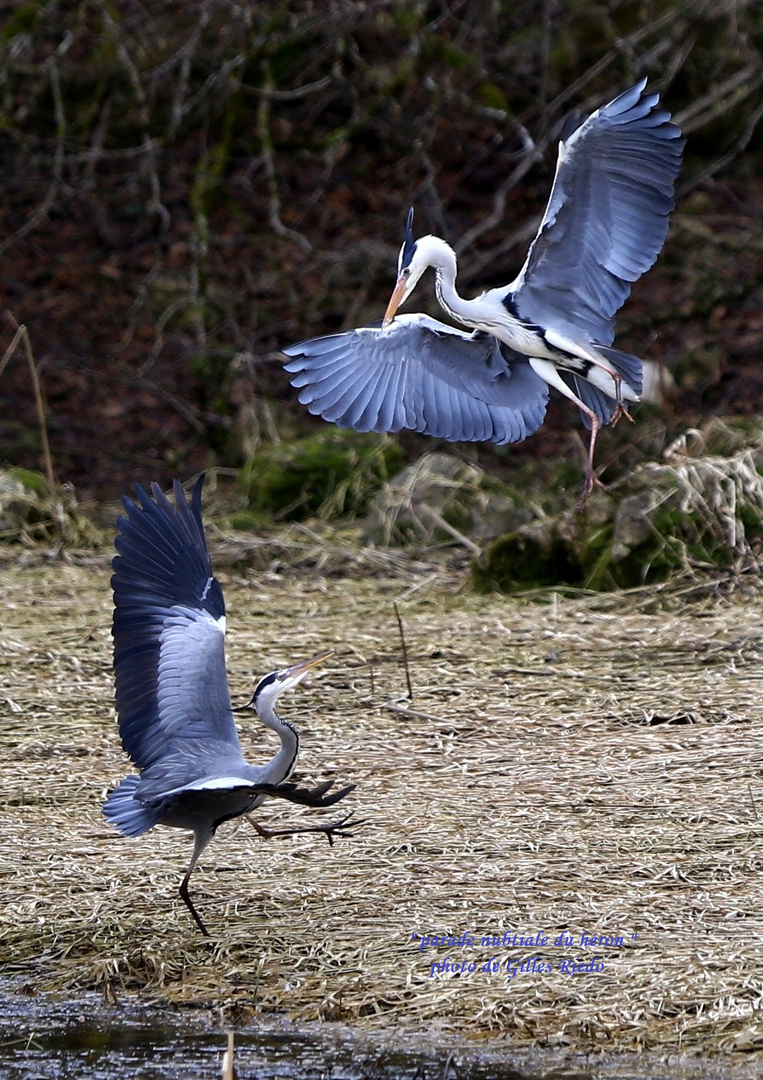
(125, 813)
(628, 367)
(602, 404)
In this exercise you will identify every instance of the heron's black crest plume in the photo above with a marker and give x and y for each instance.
(409, 245)
(267, 680)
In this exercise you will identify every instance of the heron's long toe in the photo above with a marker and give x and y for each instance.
(620, 410)
(590, 481)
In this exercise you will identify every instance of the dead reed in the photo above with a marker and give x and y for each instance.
(579, 764)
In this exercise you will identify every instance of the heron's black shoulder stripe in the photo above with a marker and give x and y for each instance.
(511, 306)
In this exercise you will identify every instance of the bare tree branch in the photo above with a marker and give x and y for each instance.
(58, 159)
(149, 145)
(266, 142)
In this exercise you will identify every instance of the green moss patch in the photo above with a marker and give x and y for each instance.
(689, 515)
(332, 474)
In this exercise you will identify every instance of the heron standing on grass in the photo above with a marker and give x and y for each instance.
(173, 704)
(603, 227)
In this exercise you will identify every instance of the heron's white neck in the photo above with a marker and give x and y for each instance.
(282, 765)
(435, 252)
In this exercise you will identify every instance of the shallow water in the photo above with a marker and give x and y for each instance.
(54, 1038)
(44, 1038)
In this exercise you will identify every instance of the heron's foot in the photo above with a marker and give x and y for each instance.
(590, 481)
(620, 410)
(580, 504)
(340, 828)
(333, 829)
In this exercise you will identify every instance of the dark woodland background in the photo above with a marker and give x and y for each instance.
(188, 187)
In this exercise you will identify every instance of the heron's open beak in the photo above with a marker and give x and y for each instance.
(287, 679)
(395, 300)
(296, 673)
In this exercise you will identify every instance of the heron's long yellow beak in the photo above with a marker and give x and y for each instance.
(394, 301)
(298, 671)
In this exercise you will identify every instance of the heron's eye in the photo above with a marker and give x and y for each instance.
(406, 271)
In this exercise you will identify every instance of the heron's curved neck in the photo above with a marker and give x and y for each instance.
(442, 259)
(284, 761)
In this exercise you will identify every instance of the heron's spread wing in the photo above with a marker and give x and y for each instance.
(417, 373)
(169, 626)
(607, 216)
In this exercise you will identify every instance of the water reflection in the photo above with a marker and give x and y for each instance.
(44, 1038)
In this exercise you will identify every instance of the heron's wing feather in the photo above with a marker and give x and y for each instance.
(169, 627)
(607, 216)
(420, 374)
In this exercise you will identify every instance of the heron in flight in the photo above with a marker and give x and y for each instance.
(603, 227)
(173, 704)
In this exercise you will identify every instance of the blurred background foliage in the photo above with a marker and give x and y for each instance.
(187, 187)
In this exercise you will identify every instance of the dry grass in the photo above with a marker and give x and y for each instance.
(576, 764)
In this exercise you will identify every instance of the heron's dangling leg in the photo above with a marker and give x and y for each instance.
(617, 379)
(336, 828)
(200, 841)
(547, 370)
(590, 476)
(620, 409)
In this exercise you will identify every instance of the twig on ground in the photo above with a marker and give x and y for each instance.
(405, 652)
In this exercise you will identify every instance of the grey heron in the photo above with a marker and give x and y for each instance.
(173, 703)
(604, 226)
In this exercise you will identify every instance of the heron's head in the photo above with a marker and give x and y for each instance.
(415, 257)
(270, 688)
